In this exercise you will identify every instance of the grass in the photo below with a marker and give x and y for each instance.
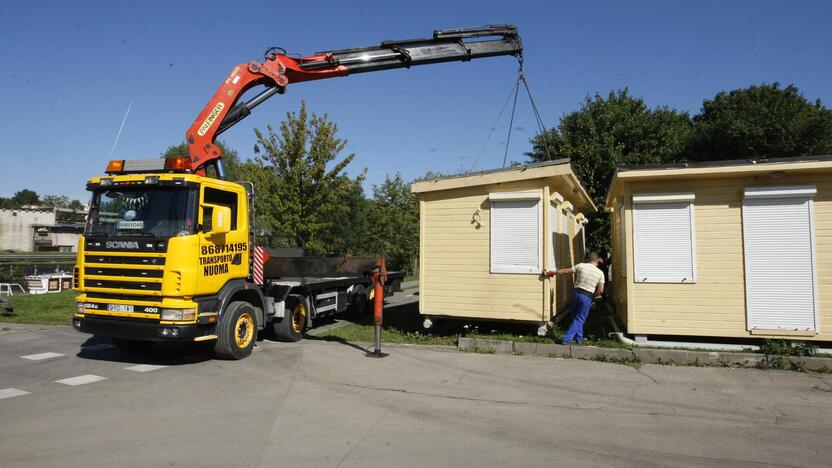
(403, 324)
(42, 309)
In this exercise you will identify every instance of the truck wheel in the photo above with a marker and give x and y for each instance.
(236, 331)
(133, 346)
(358, 304)
(291, 326)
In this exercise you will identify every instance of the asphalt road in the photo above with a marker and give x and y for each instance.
(318, 403)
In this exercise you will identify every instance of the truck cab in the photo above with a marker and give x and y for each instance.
(165, 251)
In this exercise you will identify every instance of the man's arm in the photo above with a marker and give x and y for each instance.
(565, 271)
(599, 290)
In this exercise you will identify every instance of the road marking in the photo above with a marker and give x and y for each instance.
(144, 368)
(11, 392)
(81, 380)
(41, 356)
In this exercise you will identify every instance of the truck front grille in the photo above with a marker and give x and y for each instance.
(126, 274)
(138, 286)
(115, 259)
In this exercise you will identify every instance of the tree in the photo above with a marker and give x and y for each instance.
(310, 188)
(75, 205)
(609, 132)
(350, 234)
(55, 201)
(394, 223)
(24, 197)
(761, 122)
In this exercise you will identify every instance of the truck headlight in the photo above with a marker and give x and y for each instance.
(80, 306)
(179, 314)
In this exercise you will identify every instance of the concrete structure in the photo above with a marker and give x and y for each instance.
(17, 227)
(486, 238)
(31, 229)
(738, 249)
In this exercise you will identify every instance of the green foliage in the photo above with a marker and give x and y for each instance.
(264, 180)
(20, 198)
(761, 122)
(55, 201)
(786, 348)
(394, 223)
(61, 201)
(609, 132)
(352, 226)
(307, 196)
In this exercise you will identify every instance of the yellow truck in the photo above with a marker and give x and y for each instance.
(169, 253)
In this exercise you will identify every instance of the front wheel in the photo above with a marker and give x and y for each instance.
(236, 331)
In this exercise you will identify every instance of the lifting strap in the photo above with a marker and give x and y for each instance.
(515, 89)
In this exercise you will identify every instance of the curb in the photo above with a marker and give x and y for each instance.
(647, 355)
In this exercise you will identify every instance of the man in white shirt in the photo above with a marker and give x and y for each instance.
(589, 283)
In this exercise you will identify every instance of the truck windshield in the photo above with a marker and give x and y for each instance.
(160, 212)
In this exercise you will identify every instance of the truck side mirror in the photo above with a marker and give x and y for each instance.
(220, 219)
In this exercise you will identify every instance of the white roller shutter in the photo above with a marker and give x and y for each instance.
(567, 244)
(663, 239)
(779, 260)
(553, 221)
(516, 234)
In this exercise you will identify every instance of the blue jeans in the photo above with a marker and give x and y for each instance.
(580, 311)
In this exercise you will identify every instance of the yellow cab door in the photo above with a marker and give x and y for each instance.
(222, 255)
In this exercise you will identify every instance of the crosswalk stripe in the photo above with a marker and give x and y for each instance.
(11, 392)
(144, 368)
(41, 356)
(81, 380)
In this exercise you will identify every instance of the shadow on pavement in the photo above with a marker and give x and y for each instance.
(163, 354)
(342, 341)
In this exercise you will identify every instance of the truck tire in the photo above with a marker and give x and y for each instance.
(290, 328)
(236, 331)
(358, 304)
(133, 346)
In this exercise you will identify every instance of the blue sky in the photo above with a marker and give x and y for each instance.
(69, 70)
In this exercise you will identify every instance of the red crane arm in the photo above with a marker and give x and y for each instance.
(275, 72)
(278, 70)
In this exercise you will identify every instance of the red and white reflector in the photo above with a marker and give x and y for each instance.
(257, 269)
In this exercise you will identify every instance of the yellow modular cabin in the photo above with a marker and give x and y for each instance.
(487, 237)
(736, 249)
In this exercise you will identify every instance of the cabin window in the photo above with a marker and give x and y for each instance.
(516, 233)
(664, 238)
(218, 197)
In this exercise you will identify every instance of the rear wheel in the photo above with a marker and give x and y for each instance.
(236, 331)
(358, 304)
(133, 346)
(293, 323)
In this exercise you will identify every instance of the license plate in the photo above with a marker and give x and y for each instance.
(119, 308)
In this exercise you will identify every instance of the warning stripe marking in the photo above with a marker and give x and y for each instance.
(258, 265)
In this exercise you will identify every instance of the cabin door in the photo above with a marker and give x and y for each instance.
(780, 278)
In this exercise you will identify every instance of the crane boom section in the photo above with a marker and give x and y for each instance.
(278, 70)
